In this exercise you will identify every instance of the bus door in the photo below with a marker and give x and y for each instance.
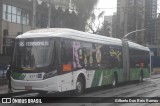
(126, 70)
(66, 58)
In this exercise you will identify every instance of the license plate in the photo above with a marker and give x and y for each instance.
(28, 87)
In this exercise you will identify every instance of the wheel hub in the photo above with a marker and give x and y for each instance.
(79, 87)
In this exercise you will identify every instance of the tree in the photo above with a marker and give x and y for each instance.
(94, 22)
(105, 29)
(84, 9)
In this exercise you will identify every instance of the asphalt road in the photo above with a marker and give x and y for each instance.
(149, 88)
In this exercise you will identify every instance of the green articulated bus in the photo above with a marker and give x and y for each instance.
(60, 59)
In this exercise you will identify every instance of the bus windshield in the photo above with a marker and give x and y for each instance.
(33, 53)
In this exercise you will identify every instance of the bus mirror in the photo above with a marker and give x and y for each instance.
(67, 67)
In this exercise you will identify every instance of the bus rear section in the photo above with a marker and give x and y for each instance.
(136, 61)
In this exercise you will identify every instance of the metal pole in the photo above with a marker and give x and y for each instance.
(136, 20)
(34, 14)
(125, 36)
(49, 14)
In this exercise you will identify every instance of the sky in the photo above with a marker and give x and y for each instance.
(158, 9)
(109, 6)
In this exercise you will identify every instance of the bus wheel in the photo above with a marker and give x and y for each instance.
(114, 80)
(141, 77)
(79, 86)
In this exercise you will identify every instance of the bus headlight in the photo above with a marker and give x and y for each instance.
(50, 74)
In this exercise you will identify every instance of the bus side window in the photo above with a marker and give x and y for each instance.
(66, 55)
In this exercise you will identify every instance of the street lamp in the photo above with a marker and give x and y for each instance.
(125, 36)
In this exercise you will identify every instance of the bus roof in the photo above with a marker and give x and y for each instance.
(137, 46)
(70, 33)
(77, 35)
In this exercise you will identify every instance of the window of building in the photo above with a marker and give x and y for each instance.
(18, 15)
(9, 9)
(4, 7)
(24, 17)
(4, 12)
(15, 14)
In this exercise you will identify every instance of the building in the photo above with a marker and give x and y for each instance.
(131, 17)
(108, 20)
(158, 35)
(114, 25)
(135, 15)
(151, 24)
(19, 16)
(121, 16)
(150, 21)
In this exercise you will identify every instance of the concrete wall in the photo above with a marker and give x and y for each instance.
(14, 28)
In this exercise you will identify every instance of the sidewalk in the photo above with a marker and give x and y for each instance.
(3, 85)
(3, 89)
(154, 76)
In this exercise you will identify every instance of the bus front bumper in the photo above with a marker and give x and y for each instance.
(48, 85)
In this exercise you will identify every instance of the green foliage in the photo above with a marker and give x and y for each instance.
(97, 26)
(105, 29)
(84, 9)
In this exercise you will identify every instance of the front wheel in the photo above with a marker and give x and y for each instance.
(79, 86)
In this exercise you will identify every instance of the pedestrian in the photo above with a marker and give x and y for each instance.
(8, 75)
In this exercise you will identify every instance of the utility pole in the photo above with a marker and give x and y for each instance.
(126, 18)
(125, 36)
(49, 13)
(34, 14)
(136, 5)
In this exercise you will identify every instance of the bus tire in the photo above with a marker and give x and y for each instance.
(141, 77)
(79, 86)
(114, 80)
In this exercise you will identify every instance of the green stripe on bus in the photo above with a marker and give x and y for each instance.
(106, 76)
(96, 78)
(18, 76)
(135, 73)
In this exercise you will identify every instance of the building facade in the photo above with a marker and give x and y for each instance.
(135, 15)
(151, 25)
(114, 25)
(19, 16)
(131, 17)
(108, 20)
(158, 35)
(150, 21)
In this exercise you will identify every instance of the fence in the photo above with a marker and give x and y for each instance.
(155, 63)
